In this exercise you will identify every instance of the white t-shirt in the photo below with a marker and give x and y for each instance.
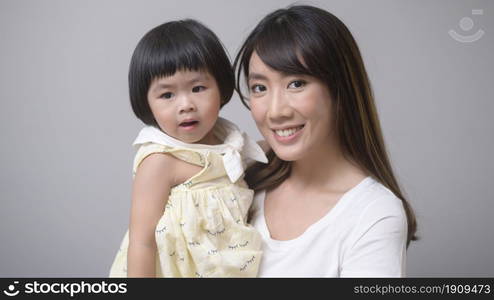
(363, 235)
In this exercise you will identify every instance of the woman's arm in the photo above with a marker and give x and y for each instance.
(151, 187)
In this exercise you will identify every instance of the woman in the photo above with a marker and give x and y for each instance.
(327, 204)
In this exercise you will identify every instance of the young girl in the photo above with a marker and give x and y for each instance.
(189, 199)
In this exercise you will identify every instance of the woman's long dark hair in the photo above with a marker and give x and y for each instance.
(309, 40)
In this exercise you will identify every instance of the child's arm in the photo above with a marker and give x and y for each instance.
(152, 184)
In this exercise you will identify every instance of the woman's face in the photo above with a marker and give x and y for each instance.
(292, 112)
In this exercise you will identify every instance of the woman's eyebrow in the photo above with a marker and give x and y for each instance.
(253, 76)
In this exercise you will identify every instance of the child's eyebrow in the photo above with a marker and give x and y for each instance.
(162, 86)
(198, 78)
(201, 77)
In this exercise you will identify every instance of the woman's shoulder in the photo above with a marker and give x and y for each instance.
(379, 217)
(377, 201)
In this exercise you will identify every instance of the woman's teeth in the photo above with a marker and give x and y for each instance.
(288, 132)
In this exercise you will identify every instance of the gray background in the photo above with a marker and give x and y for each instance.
(66, 124)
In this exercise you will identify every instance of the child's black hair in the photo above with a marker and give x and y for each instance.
(175, 46)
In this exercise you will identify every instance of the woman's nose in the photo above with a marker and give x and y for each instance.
(279, 107)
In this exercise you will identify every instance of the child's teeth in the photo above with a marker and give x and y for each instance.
(287, 132)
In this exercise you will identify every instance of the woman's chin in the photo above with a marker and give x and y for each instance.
(288, 153)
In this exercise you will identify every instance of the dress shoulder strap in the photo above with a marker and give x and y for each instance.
(188, 155)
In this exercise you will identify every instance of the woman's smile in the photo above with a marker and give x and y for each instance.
(288, 134)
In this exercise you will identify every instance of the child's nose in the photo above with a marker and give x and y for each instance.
(187, 105)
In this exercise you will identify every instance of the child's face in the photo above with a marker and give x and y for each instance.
(186, 105)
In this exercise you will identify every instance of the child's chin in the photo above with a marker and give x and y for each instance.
(192, 140)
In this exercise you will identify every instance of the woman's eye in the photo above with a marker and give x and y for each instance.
(198, 89)
(166, 95)
(296, 84)
(257, 88)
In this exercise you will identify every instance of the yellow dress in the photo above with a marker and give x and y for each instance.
(203, 230)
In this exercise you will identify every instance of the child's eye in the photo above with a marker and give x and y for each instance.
(167, 95)
(257, 88)
(296, 84)
(198, 89)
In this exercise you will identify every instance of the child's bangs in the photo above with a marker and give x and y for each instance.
(169, 59)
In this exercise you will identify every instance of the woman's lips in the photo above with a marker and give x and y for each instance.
(288, 135)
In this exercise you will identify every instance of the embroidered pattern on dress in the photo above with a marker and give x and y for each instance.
(213, 251)
(215, 233)
(161, 230)
(247, 263)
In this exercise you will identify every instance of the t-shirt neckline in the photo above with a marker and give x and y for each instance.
(322, 222)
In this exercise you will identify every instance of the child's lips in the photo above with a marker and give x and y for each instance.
(189, 124)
